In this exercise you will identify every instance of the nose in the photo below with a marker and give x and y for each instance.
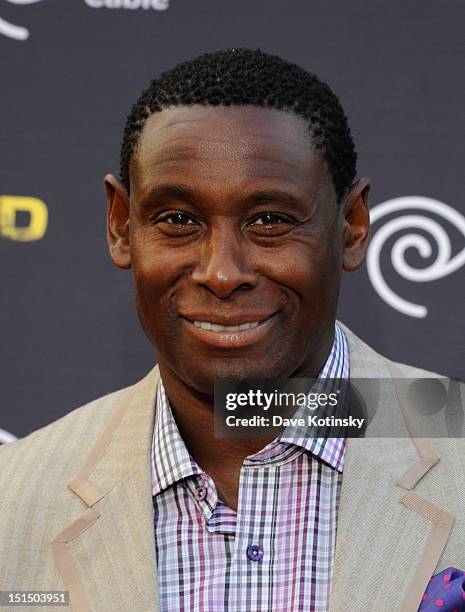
(223, 264)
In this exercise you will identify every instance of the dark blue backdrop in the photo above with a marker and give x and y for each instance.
(69, 73)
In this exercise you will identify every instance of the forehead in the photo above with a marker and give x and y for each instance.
(231, 145)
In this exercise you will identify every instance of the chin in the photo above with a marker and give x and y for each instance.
(203, 380)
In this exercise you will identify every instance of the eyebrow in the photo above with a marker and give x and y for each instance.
(274, 195)
(178, 192)
(190, 196)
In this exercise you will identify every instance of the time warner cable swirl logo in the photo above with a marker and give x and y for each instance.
(15, 31)
(443, 264)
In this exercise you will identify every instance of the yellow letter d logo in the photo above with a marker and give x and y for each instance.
(38, 218)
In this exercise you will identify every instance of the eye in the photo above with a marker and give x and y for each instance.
(177, 218)
(271, 225)
(270, 219)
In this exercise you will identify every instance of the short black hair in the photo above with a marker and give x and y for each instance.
(238, 77)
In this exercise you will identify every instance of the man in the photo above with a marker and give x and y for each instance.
(237, 211)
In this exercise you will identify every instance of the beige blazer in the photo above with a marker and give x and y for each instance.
(76, 506)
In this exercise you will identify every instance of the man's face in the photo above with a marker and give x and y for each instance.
(233, 219)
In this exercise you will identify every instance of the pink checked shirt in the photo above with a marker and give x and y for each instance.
(276, 553)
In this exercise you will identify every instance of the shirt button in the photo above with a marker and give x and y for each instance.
(254, 552)
(200, 493)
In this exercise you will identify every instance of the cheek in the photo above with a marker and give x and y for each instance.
(309, 272)
(154, 278)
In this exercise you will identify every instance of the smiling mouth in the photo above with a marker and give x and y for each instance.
(227, 328)
(230, 336)
(220, 326)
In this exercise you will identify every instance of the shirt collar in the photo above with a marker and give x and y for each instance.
(172, 462)
(329, 450)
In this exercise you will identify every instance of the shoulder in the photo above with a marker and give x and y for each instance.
(54, 451)
(441, 399)
(366, 362)
(35, 502)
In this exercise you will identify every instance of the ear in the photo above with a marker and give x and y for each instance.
(356, 225)
(117, 221)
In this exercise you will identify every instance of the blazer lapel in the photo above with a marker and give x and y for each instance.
(107, 556)
(389, 538)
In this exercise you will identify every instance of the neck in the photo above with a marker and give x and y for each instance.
(193, 412)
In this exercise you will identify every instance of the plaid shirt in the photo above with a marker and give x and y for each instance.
(276, 553)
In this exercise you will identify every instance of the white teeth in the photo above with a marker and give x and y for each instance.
(229, 328)
(249, 325)
(214, 327)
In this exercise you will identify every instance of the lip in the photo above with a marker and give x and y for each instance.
(236, 339)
